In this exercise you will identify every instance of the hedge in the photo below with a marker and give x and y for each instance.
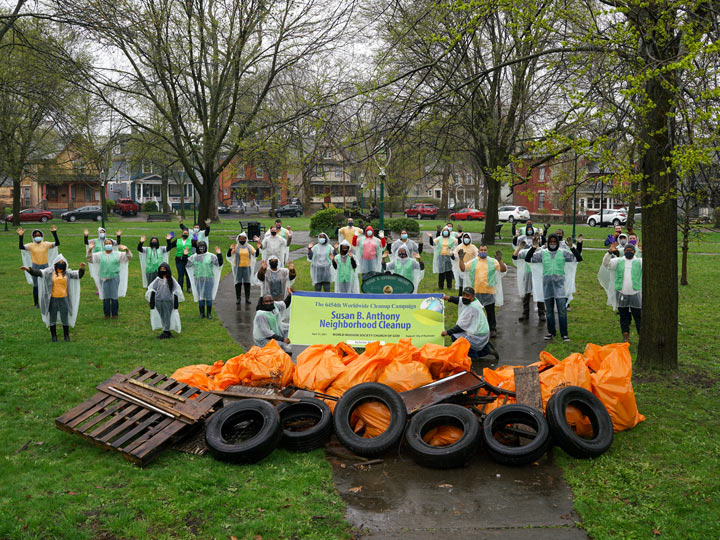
(398, 224)
(326, 221)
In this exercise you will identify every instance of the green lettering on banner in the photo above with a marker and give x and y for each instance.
(317, 319)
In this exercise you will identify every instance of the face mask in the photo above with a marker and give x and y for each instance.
(449, 227)
(37, 239)
(446, 233)
(274, 265)
(552, 247)
(154, 245)
(403, 237)
(350, 223)
(343, 251)
(632, 242)
(273, 233)
(466, 301)
(201, 249)
(629, 255)
(108, 247)
(369, 234)
(622, 241)
(402, 255)
(482, 255)
(196, 230)
(242, 242)
(560, 237)
(101, 235)
(466, 241)
(162, 273)
(266, 307)
(60, 267)
(529, 231)
(185, 235)
(321, 240)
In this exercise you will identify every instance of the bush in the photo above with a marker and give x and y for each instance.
(326, 221)
(398, 224)
(716, 217)
(109, 206)
(149, 206)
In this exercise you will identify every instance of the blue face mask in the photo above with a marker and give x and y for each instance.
(446, 233)
(483, 255)
(466, 241)
(403, 237)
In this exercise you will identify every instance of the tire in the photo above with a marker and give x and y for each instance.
(253, 449)
(443, 457)
(43, 219)
(72, 218)
(358, 395)
(298, 214)
(452, 218)
(311, 438)
(406, 215)
(98, 217)
(592, 222)
(590, 406)
(511, 219)
(616, 222)
(506, 454)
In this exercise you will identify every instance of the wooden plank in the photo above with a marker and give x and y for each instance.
(113, 423)
(106, 400)
(82, 407)
(264, 397)
(527, 387)
(126, 423)
(127, 435)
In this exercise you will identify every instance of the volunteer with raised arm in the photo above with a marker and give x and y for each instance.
(37, 254)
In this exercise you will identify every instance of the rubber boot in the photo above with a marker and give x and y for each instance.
(238, 293)
(168, 334)
(209, 312)
(35, 298)
(493, 352)
(66, 333)
(202, 311)
(626, 337)
(53, 333)
(247, 294)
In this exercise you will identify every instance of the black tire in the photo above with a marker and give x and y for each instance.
(452, 218)
(511, 219)
(72, 218)
(590, 406)
(43, 219)
(362, 393)
(308, 410)
(591, 222)
(616, 222)
(443, 457)
(255, 412)
(98, 217)
(507, 454)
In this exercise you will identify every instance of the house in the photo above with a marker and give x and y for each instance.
(246, 181)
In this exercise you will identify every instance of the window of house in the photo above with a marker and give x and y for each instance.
(328, 154)
(174, 190)
(240, 171)
(338, 171)
(259, 173)
(438, 193)
(541, 174)
(541, 199)
(429, 193)
(52, 193)
(88, 193)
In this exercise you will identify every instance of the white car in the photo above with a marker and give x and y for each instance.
(513, 213)
(609, 217)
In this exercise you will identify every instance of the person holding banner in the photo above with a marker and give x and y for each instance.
(471, 325)
(150, 259)
(241, 256)
(204, 274)
(346, 278)
(624, 287)
(484, 274)
(524, 277)
(322, 272)
(403, 265)
(470, 251)
(276, 281)
(442, 261)
(37, 254)
(268, 324)
(370, 249)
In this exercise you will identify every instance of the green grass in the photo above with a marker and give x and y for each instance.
(57, 485)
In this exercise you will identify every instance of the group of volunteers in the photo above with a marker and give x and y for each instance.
(546, 267)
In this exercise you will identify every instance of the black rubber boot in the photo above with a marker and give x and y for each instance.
(209, 312)
(66, 333)
(238, 293)
(202, 311)
(247, 293)
(53, 333)
(35, 298)
(168, 334)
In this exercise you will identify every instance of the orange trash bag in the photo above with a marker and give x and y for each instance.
(269, 365)
(198, 375)
(402, 376)
(367, 367)
(445, 361)
(346, 352)
(572, 371)
(612, 383)
(371, 419)
(317, 367)
(443, 436)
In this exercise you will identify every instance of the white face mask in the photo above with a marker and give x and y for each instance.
(101, 235)
(321, 240)
(38, 239)
(369, 234)
(196, 230)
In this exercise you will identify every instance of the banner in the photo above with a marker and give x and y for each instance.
(359, 319)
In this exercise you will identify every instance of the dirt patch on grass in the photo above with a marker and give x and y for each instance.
(194, 524)
(684, 377)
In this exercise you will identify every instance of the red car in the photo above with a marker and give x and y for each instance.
(422, 211)
(32, 214)
(468, 214)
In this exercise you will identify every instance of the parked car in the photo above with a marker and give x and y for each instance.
(289, 210)
(609, 217)
(637, 215)
(422, 211)
(126, 207)
(84, 212)
(32, 214)
(513, 213)
(223, 209)
(468, 214)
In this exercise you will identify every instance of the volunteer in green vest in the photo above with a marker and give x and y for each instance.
(180, 245)
(484, 275)
(320, 256)
(197, 234)
(402, 264)
(112, 274)
(443, 247)
(150, 259)
(37, 254)
(204, 274)
(346, 277)
(471, 324)
(550, 266)
(627, 283)
(268, 323)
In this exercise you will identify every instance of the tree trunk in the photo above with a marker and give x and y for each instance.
(491, 210)
(164, 191)
(445, 185)
(181, 187)
(16, 200)
(686, 228)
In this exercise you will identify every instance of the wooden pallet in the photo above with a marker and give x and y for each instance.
(121, 424)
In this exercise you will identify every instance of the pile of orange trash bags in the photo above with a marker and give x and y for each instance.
(332, 369)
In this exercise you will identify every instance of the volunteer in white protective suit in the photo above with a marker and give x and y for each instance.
(346, 276)
(163, 295)
(99, 242)
(470, 253)
(274, 245)
(112, 274)
(369, 252)
(320, 256)
(203, 270)
(402, 264)
(241, 257)
(275, 281)
(471, 325)
(37, 254)
(484, 274)
(268, 323)
(625, 286)
(553, 273)
(150, 259)
(412, 247)
(58, 294)
(443, 247)
(524, 278)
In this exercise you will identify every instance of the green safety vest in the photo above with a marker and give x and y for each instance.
(109, 265)
(404, 268)
(203, 268)
(153, 260)
(452, 244)
(271, 317)
(492, 279)
(635, 274)
(553, 266)
(344, 269)
(181, 245)
(99, 243)
(482, 326)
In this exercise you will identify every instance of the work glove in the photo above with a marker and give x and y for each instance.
(175, 302)
(152, 301)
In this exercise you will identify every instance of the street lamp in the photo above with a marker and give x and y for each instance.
(382, 160)
(574, 194)
(102, 196)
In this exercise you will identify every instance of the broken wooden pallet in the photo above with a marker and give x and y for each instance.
(134, 420)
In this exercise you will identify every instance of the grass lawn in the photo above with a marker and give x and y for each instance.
(57, 485)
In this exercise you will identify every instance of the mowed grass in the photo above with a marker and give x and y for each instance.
(57, 485)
